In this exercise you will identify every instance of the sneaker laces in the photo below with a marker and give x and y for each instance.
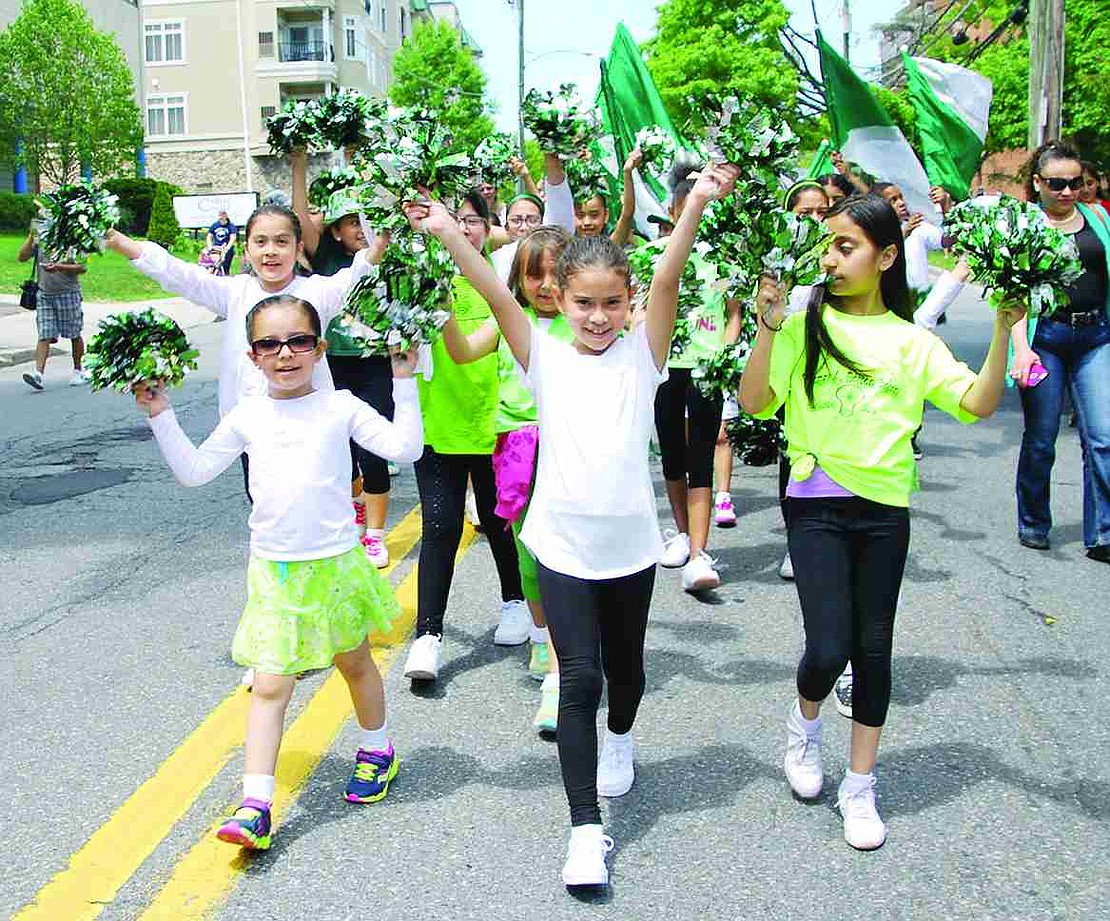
(367, 771)
(614, 757)
(858, 803)
(670, 535)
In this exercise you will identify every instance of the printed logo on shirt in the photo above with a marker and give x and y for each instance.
(848, 393)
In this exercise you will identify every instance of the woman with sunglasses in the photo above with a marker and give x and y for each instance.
(1072, 344)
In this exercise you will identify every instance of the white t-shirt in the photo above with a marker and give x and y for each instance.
(925, 237)
(233, 297)
(558, 211)
(300, 462)
(593, 513)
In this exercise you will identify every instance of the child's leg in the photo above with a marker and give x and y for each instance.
(501, 543)
(722, 461)
(376, 763)
(441, 481)
(365, 684)
(625, 603)
(265, 719)
(702, 428)
(670, 426)
(572, 617)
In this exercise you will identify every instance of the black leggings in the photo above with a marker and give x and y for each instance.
(441, 480)
(598, 628)
(849, 555)
(686, 445)
(371, 380)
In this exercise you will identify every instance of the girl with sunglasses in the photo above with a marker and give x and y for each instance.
(312, 594)
(1073, 345)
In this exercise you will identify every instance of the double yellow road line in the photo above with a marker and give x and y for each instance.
(208, 872)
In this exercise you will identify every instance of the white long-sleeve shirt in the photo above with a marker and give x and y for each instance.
(558, 210)
(300, 462)
(924, 238)
(232, 297)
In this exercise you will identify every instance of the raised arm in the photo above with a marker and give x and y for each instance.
(558, 205)
(434, 218)
(622, 233)
(520, 170)
(310, 233)
(191, 466)
(755, 384)
(464, 348)
(982, 397)
(173, 274)
(662, 307)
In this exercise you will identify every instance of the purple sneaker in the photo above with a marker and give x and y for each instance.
(249, 827)
(370, 779)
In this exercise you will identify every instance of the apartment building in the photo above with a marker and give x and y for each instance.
(217, 69)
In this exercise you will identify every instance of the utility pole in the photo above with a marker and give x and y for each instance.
(846, 26)
(520, 73)
(1046, 70)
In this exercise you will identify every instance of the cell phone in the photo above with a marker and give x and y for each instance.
(1037, 373)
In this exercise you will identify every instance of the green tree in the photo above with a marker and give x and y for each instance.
(433, 69)
(163, 229)
(728, 47)
(66, 94)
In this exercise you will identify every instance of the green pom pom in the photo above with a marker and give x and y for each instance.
(129, 348)
(756, 442)
(657, 146)
(691, 291)
(559, 121)
(491, 159)
(75, 220)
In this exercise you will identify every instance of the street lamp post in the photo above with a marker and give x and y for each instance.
(519, 4)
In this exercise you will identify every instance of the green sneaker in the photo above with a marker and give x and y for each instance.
(539, 663)
(547, 717)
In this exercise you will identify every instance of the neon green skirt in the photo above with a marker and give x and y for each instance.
(300, 615)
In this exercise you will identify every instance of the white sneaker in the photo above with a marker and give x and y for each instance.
(515, 626)
(615, 772)
(247, 680)
(422, 663)
(863, 829)
(676, 549)
(842, 692)
(803, 756)
(585, 865)
(698, 575)
(376, 550)
(786, 570)
(33, 379)
(79, 379)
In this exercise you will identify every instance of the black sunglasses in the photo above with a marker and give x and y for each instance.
(1058, 183)
(298, 344)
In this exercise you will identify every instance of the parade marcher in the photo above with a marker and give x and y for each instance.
(853, 372)
(1073, 345)
(528, 211)
(58, 314)
(459, 403)
(312, 595)
(836, 186)
(591, 213)
(1093, 190)
(591, 523)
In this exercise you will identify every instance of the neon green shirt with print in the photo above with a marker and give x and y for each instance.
(859, 426)
(707, 321)
(459, 403)
(515, 407)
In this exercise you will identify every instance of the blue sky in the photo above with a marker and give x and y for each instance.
(565, 38)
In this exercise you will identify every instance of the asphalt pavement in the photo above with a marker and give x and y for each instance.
(122, 590)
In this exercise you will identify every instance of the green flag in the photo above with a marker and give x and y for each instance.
(866, 134)
(822, 161)
(952, 105)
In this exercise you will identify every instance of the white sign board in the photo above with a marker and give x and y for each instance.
(201, 210)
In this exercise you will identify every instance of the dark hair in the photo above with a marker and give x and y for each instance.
(284, 300)
(529, 255)
(806, 185)
(1046, 153)
(477, 201)
(276, 211)
(840, 182)
(528, 197)
(680, 180)
(877, 188)
(879, 223)
(1089, 166)
(590, 252)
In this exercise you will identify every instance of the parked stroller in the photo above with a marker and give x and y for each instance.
(211, 259)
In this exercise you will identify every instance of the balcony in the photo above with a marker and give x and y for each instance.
(303, 53)
(295, 52)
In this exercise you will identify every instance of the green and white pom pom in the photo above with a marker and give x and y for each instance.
(1013, 252)
(491, 159)
(724, 230)
(691, 291)
(330, 181)
(346, 118)
(657, 146)
(721, 373)
(130, 348)
(404, 300)
(586, 178)
(559, 121)
(756, 442)
(293, 127)
(791, 247)
(754, 139)
(75, 220)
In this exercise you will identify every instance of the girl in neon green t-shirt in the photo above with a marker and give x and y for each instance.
(853, 373)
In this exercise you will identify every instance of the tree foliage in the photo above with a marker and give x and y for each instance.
(433, 69)
(66, 94)
(163, 229)
(727, 47)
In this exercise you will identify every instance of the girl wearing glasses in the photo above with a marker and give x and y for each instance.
(528, 211)
(1073, 346)
(312, 595)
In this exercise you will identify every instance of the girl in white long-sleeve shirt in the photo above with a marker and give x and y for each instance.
(312, 595)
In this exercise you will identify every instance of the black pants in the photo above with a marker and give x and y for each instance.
(598, 630)
(849, 555)
(686, 445)
(371, 380)
(441, 480)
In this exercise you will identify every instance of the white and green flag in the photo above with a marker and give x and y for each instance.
(953, 105)
(866, 134)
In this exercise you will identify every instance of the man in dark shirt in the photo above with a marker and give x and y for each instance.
(224, 234)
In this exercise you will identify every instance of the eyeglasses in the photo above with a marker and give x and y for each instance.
(471, 220)
(522, 221)
(1059, 183)
(298, 345)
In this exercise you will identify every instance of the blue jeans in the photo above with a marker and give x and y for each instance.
(1078, 359)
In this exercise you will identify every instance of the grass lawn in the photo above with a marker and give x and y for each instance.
(939, 259)
(109, 277)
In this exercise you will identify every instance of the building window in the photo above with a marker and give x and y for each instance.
(165, 42)
(268, 112)
(350, 43)
(265, 44)
(165, 115)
